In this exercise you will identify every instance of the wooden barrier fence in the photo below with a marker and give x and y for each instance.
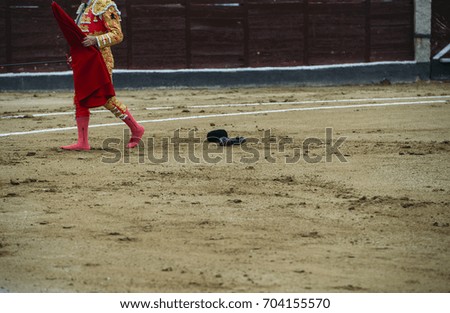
(175, 34)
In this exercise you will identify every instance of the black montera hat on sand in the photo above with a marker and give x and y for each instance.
(220, 136)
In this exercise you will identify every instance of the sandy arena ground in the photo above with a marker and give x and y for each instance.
(258, 220)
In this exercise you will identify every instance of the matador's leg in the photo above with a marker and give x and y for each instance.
(116, 107)
(120, 110)
(82, 117)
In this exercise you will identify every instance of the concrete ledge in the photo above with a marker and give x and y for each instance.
(330, 75)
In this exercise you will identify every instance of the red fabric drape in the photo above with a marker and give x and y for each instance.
(92, 82)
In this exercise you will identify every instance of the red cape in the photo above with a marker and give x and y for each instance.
(92, 82)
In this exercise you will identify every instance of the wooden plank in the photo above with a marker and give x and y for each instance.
(4, 33)
(224, 33)
(124, 54)
(8, 34)
(200, 13)
(440, 25)
(212, 61)
(188, 35)
(275, 3)
(159, 33)
(276, 33)
(246, 35)
(367, 33)
(305, 40)
(337, 8)
(217, 33)
(166, 3)
(217, 2)
(392, 30)
(151, 12)
(336, 32)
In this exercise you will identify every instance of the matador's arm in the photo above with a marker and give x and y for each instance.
(111, 19)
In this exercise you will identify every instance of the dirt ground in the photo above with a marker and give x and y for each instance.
(258, 219)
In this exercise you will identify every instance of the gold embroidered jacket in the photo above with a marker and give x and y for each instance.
(101, 19)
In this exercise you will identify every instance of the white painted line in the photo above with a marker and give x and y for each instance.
(171, 119)
(38, 131)
(35, 115)
(224, 70)
(316, 101)
(160, 108)
(69, 113)
(298, 102)
(10, 117)
(236, 105)
(47, 114)
(368, 105)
